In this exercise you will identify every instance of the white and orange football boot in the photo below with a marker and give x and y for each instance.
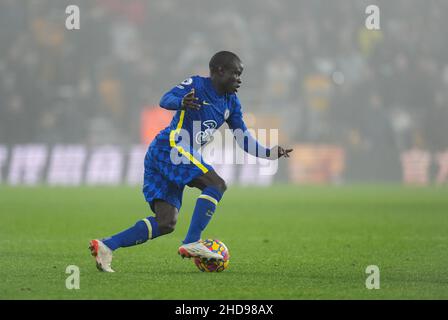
(198, 250)
(102, 254)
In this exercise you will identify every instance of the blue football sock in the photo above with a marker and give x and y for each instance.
(142, 231)
(203, 211)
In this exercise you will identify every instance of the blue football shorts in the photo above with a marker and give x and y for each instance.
(166, 180)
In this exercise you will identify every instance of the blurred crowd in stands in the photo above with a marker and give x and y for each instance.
(310, 63)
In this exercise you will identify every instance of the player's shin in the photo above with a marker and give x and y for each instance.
(203, 211)
(139, 233)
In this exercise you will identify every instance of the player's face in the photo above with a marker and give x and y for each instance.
(231, 77)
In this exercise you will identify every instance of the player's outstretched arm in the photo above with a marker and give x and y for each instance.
(247, 142)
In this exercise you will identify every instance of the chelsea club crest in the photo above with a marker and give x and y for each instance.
(226, 114)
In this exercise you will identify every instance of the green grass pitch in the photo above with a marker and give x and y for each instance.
(285, 242)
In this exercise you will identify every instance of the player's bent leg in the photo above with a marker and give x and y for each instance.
(166, 216)
(213, 187)
(141, 232)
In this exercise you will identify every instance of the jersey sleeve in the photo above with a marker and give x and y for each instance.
(242, 136)
(172, 100)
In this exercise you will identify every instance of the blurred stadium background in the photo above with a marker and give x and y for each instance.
(363, 109)
(357, 105)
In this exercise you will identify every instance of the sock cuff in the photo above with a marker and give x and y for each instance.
(148, 226)
(151, 224)
(211, 193)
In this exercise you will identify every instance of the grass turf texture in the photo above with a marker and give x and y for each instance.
(285, 242)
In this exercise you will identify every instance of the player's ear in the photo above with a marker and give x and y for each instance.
(220, 70)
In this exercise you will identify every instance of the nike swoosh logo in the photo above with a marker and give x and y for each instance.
(206, 103)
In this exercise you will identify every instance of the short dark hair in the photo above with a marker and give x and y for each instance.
(222, 59)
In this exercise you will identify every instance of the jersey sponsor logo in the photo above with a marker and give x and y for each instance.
(206, 135)
(226, 114)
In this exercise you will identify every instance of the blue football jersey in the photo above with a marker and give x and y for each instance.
(214, 111)
(199, 125)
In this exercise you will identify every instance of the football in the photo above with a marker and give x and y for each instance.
(216, 246)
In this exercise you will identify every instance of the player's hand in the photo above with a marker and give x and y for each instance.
(278, 152)
(189, 101)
